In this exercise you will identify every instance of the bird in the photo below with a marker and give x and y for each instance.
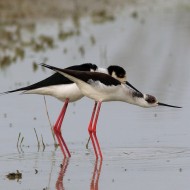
(66, 90)
(103, 88)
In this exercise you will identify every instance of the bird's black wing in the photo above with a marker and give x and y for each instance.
(88, 77)
(55, 79)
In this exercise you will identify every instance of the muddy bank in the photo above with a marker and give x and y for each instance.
(36, 9)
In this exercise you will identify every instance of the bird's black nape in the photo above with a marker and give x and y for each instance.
(167, 105)
(119, 71)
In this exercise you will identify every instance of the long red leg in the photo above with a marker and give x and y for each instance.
(57, 126)
(94, 129)
(61, 144)
(57, 129)
(92, 117)
(90, 129)
(64, 144)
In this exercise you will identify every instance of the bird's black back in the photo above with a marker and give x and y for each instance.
(93, 76)
(56, 78)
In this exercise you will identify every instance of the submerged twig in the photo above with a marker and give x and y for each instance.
(37, 139)
(21, 144)
(47, 112)
(18, 139)
(87, 143)
(44, 146)
(21, 141)
(18, 142)
(51, 126)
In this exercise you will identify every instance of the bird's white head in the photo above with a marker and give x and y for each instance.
(151, 101)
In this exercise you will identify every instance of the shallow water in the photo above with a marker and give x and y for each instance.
(122, 167)
(142, 148)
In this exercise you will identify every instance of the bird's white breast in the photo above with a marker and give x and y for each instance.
(99, 91)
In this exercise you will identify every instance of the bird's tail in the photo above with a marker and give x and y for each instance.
(11, 91)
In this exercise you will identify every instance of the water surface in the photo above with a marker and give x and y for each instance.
(142, 148)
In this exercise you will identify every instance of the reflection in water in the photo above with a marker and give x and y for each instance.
(51, 170)
(96, 175)
(59, 182)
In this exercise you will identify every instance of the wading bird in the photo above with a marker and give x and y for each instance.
(67, 91)
(102, 88)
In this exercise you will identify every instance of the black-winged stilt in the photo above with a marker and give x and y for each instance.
(66, 90)
(101, 88)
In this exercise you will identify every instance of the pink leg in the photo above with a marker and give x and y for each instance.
(94, 129)
(92, 117)
(57, 130)
(57, 126)
(62, 144)
(91, 131)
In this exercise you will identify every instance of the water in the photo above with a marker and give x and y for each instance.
(142, 148)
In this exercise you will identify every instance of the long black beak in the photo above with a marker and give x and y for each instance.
(162, 104)
(128, 84)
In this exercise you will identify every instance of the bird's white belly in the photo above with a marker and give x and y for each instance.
(60, 92)
(101, 92)
(105, 93)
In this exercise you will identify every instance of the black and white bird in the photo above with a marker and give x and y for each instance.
(101, 88)
(67, 91)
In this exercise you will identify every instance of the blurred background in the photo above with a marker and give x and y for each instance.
(149, 38)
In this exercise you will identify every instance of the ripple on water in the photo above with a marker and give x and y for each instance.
(135, 158)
